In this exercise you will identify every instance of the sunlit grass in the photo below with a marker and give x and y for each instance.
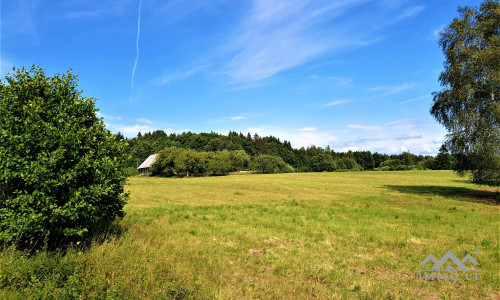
(291, 236)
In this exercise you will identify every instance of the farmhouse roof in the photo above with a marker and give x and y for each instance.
(148, 162)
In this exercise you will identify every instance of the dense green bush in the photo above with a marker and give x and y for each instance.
(129, 171)
(218, 162)
(173, 161)
(164, 163)
(347, 164)
(270, 164)
(60, 170)
(323, 162)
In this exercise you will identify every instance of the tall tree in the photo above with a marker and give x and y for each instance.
(468, 106)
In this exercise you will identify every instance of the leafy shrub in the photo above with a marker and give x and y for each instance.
(270, 164)
(347, 164)
(323, 162)
(392, 163)
(164, 163)
(130, 171)
(219, 162)
(304, 169)
(60, 174)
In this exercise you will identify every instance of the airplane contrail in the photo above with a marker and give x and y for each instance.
(137, 48)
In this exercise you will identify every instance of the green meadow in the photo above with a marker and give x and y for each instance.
(278, 236)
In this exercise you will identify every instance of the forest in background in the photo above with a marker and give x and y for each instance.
(211, 149)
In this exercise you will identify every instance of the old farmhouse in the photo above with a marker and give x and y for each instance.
(144, 168)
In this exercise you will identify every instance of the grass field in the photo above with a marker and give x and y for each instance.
(282, 236)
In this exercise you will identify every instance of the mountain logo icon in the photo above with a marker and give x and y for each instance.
(449, 256)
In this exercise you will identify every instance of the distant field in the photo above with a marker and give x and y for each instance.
(282, 236)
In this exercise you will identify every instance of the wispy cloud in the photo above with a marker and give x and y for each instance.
(410, 12)
(137, 49)
(350, 148)
(415, 99)
(389, 90)
(341, 81)
(77, 9)
(357, 126)
(392, 137)
(20, 19)
(298, 138)
(177, 76)
(132, 130)
(108, 117)
(242, 116)
(436, 33)
(280, 35)
(308, 129)
(407, 123)
(143, 120)
(338, 102)
(406, 136)
(84, 14)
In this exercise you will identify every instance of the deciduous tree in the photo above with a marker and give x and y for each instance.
(468, 106)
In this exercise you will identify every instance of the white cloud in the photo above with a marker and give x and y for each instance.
(108, 117)
(392, 137)
(162, 80)
(337, 102)
(406, 136)
(418, 137)
(409, 12)
(242, 116)
(78, 9)
(356, 126)
(341, 81)
(436, 33)
(84, 14)
(279, 35)
(131, 131)
(20, 19)
(143, 120)
(346, 149)
(389, 90)
(415, 99)
(298, 138)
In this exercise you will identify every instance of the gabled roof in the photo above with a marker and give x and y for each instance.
(148, 162)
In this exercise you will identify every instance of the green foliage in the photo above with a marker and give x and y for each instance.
(270, 164)
(129, 171)
(219, 162)
(190, 162)
(61, 175)
(347, 164)
(365, 159)
(164, 163)
(322, 162)
(469, 106)
(242, 147)
(173, 161)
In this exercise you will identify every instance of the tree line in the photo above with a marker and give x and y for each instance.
(214, 153)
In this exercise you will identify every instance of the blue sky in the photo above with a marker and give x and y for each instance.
(354, 74)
